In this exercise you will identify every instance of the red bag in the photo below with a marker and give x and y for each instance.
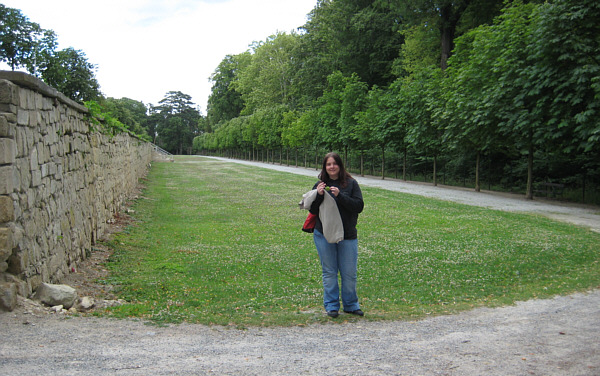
(309, 224)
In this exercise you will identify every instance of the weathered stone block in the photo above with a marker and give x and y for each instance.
(33, 282)
(22, 174)
(18, 262)
(6, 129)
(24, 95)
(7, 209)
(21, 285)
(23, 117)
(6, 180)
(6, 243)
(34, 164)
(9, 92)
(8, 296)
(21, 140)
(8, 151)
(36, 178)
(44, 169)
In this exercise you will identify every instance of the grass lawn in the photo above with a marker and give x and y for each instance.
(220, 243)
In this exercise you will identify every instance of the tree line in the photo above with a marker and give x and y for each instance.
(500, 94)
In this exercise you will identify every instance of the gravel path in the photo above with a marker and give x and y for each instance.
(539, 337)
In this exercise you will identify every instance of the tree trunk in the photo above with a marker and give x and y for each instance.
(382, 162)
(404, 164)
(477, 188)
(316, 158)
(346, 154)
(362, 163)
(529, 193)
(435, 170)
(449, 19)
(305, 157)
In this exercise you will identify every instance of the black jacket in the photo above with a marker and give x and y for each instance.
(349, 202)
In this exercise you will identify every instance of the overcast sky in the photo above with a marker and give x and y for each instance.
(145, 48)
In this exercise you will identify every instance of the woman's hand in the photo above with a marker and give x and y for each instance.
(321, 188)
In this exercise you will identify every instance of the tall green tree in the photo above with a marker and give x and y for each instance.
(520, 119)
(472, 115)
(329, 131)
(266, 81)
(421, 101)
(300, 131)
(176, 118)
(18, 38)
(356, 134)
(381, 119)
(350, 36)
(225, 102)
(70, 72)
(451, 18)
(563, 72)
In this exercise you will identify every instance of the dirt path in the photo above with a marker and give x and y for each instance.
(539, 337)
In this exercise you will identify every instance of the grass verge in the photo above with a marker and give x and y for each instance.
(220, 243)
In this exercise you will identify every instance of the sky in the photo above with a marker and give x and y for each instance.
(143, 49)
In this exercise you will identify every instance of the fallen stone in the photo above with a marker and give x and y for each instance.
(54, 295)
(85, 304)
(8, 297)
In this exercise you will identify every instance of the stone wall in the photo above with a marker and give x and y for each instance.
(60, 183)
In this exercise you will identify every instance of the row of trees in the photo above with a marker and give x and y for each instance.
(500, 91)
(428, 86)
(172, 123)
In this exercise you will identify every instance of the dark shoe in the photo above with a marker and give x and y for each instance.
(333, 314)
(358, 312)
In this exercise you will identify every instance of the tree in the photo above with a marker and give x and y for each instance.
(421, 101)
(225, 102)
(26, 44)
(43, 52)
(266, 81)
(563, 72)
(355, 133)
(300, 131)
(69, 72)
(382, 121)
(329, 132)
(451, 18)
(519, 118)
(176, 122)
(471, 115)
(352, 36)
(132, 113)
(420, 49)
(18, 38)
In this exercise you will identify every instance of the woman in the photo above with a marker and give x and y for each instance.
(339, 257)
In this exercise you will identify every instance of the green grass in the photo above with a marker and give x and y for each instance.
(220, 243)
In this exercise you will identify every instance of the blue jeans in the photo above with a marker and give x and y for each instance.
(343, 258)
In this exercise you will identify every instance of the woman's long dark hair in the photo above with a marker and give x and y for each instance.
(343, 175)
